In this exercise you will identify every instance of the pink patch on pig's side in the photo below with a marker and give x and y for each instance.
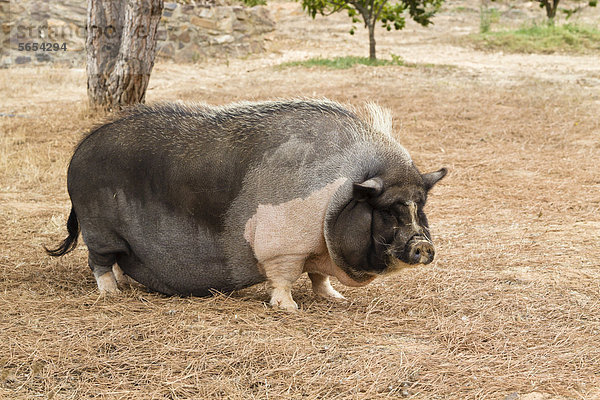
(293, 227)
(296, 228)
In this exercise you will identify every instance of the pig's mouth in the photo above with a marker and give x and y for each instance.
(418, 250)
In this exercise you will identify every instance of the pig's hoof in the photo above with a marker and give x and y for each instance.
(332, 294)
(107, 284)
(329, 293)
(284, 303)
(322, 288)
(123, 280)
(110, 292)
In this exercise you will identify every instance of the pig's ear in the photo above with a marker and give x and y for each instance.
(431, 178)
(368, 189)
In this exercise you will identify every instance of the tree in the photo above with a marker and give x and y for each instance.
(389, 12)
(121, 46)
(551, 7)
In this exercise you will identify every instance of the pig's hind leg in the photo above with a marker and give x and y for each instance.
(122, 279)
(102, 267)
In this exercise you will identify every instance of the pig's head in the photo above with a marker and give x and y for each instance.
(377, 225)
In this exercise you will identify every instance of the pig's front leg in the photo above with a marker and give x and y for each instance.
(322, 287)
(281, 273)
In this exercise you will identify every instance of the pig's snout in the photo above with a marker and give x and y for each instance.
(420, 251)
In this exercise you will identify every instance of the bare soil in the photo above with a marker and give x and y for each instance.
(510, 309)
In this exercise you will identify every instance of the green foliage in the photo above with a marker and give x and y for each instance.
(351, 61)
(551, 7)
(344, 62)
(579, 5)
(397, 60)
(252, 3)
(544, 38)
(390, 13)
(487, 17)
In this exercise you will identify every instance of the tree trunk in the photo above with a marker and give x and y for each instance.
(551, 7)
(121, 45)
(371, 27)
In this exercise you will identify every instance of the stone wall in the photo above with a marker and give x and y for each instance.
(187, 33)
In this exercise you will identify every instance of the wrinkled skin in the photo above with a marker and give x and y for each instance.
(383, 227)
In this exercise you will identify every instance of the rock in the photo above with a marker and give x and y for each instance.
(161, 34)
(224, 39)
(185, 37)
(166, 50)
(22, 60)
(204, 22)
(206, 12)
(43, 57)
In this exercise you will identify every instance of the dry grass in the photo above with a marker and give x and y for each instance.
(511, 304)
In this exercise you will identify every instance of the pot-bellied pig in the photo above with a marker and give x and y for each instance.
(187, 199)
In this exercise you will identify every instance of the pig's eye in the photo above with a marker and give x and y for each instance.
(401, 212)
(400, 206)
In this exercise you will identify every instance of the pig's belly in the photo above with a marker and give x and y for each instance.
(173, 254)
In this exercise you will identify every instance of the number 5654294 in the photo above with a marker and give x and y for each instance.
(42, 47)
